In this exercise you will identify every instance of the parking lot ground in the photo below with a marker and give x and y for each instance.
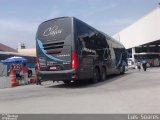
(133, 92)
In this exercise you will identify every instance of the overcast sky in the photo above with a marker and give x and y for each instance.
(19, 19)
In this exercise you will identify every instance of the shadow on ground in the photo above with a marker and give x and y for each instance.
(87, 83)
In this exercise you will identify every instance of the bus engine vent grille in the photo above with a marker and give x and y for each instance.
(53, 48)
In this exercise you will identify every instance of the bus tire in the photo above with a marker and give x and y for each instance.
(66, 81)
(96, 76)
(122, 70)
(103, 74)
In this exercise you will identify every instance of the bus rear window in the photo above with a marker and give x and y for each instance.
(54, 30)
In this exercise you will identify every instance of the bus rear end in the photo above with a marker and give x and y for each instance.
(56, 56)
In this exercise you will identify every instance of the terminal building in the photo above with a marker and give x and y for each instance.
(21, 49)
(8, 52)
(25, 51)
(6, 48)
(142, 39)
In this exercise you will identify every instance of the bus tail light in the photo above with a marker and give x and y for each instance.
(75, 63)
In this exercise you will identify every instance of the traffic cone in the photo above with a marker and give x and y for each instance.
(12, 75)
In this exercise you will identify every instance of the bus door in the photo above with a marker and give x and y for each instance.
(86, 59)
(113, 60)
(108, 60)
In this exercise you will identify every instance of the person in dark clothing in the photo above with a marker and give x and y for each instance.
(38, 82)
(144, 65)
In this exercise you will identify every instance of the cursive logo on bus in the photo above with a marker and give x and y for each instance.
(52, 31)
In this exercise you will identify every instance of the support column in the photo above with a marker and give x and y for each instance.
(133, 52)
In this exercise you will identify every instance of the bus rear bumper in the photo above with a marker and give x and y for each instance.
(58, 75)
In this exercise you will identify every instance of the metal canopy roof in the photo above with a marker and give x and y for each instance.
(145, 30)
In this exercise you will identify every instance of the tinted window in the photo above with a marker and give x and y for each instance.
(54, 30)
(100, 41)
(90, 37)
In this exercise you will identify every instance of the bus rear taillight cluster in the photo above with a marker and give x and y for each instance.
(75, 63)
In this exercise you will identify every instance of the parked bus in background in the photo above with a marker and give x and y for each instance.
(31, 60)
(70, 50)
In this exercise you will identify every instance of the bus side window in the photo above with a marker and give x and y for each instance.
(107, 53)
(79, 44)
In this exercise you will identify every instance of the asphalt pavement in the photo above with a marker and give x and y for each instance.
(133, 92)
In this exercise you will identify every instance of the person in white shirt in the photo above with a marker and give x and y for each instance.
(139, 65)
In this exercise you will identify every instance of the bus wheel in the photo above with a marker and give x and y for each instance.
(122, 70)
(103, 76)
(66, 81)
(96, 76)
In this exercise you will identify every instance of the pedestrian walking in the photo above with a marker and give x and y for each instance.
(38, 82)
(139, 65)
(24, 71)
(144, 65)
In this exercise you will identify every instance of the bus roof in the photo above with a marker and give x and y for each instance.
(106, 35)
(56, 19)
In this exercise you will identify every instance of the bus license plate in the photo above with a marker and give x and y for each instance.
(53, 68)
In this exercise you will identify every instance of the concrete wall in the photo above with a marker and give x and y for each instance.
(5, 81)
(3, 70)
(30, 52)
